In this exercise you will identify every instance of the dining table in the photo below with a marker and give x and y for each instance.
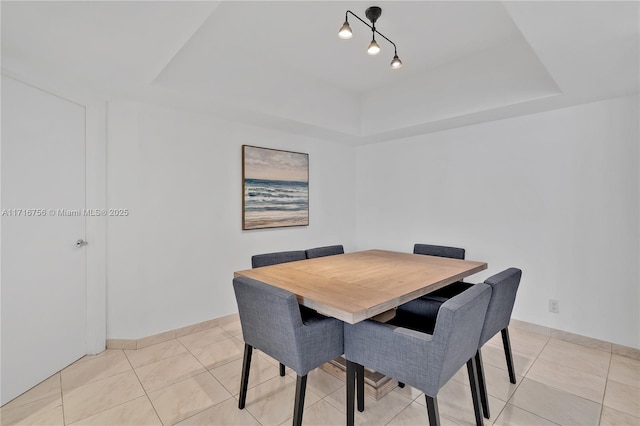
(359, 285)
(356, 286)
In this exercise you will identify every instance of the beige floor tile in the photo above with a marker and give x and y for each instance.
(103, 390)
(96, 397)
(320, 382)
(320, 414)
(455, 403)
(204, 338)
(268, 357)
(375, 412)
(497, 381)
(43, 411)
(234, 328)
(611, 417)
(154, 353)
(556, 405)
(229, 374)
(184, 399)
(271, 402)
(623, 398)
(494, 355)
(567, 379)
(46, 389)
(514, 416)
(409, 392)
(625, 370)
(168, 371)
(219, 353)
(226, 413)
(496, 340)
(416, 414)
(92, 368)
(577, 357)
(138, 412)
(522, 341)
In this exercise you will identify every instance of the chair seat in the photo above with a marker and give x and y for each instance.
(307, 313)
(413, 321)
(420, 314)
(447, 292)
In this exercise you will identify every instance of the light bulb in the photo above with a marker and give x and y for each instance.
(396, 63)
(345, 31)
(373, 48)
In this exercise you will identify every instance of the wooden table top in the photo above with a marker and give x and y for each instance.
(355, 286)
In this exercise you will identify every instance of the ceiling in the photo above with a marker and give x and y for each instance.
(281, 64)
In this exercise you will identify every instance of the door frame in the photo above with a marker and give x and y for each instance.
(95, 197)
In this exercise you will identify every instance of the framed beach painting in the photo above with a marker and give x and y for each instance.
(275, 186)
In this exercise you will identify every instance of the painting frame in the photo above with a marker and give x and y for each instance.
(275, 188)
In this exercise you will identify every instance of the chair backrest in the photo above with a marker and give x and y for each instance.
(458, 328)
(270, 319)
(324, 251)
(268, 259)
(440, 251)
(503, 296)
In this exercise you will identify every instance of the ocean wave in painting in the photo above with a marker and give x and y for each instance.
(270, 203)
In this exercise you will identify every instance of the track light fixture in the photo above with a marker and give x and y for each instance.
(372, 13)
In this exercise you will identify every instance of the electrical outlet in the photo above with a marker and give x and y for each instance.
(554, 306)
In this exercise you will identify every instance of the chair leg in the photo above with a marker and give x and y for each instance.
(475, 392)
(482, 385)
(244, 379)
(298, 408)
(506, 342)
(432, 410)
(360, 385)
(281, 370)
(351, 377)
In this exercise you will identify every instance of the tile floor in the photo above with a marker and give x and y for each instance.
(194, 380)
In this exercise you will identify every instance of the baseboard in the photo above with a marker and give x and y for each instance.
(590, 342)
(169, 335)
(535, 328)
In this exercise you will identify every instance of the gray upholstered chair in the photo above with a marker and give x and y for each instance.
(324, 251)
(418, 307)
(440, 251)
(504, 288)
(268, 259)
(271, 322)
(424, 361)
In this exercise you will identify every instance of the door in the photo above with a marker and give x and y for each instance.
(43, 269)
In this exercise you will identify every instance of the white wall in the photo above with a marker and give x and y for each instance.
(555, 193)
(171, 262)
